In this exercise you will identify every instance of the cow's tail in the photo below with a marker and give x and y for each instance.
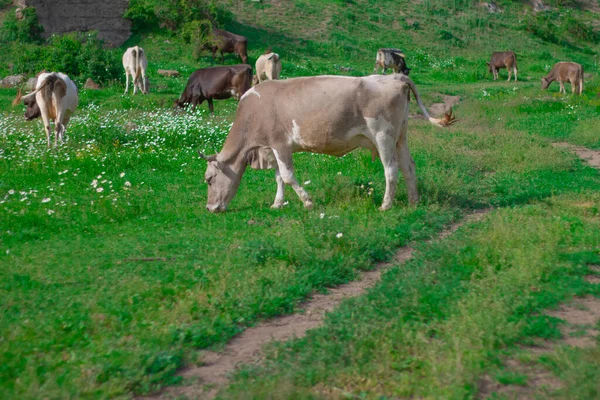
(21, 98)
(448, 119)
(136, 54)
(581, 81)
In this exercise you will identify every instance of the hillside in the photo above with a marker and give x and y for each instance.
(117, 283)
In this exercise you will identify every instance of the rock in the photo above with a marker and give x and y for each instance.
(30, 85)
(62, 16)
(19, 13)
(12, 81)
(538, 6)
(90, 84)
(491, 7)
(168, 72)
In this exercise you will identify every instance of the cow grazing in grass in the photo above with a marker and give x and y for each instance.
(268, 67)
(503, 59)
(135, 64)
(227, 42)
(323, 114)
(391, 58)
(216, 83)
(565, 72)
(54, 99)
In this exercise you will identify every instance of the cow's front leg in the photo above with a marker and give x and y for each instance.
(286, 169)
(279, 197)
(562, 88)
(211, 107)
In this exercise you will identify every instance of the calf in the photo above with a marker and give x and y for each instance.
(563, 72)
(227, 42)
(503, 59)
(135, 64)
(268, 67)
(391, 58)
(320, 114)
(216, 83)
(54, 99)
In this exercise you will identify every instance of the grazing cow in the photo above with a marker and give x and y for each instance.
(216, 83)
(391, 58)
(54, 99)
(563, 72)
(135, 64)
(503, 59)
(227, 42)
(322, 114)
(268, 67)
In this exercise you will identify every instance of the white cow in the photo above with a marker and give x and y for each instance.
(320, 114)
(135, 64)
(268, 67)
(54, 99)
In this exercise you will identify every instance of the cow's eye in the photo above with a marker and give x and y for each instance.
(209, 180)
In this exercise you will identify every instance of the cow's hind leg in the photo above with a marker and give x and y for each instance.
(387, 152)
(279, 197)
(126, 82)
(286, 170)
(508, 70)
(515, 72)
(407, 165)
(562, 88)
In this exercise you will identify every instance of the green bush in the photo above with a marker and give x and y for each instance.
(75, 54)
(25, 30)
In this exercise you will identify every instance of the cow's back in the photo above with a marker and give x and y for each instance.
(503, 58)
(322, 111)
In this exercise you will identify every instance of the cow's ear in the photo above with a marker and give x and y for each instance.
(487, 63)
(207, 158)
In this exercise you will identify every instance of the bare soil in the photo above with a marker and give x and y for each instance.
(204, 381)
(581, 319)
(592, 157)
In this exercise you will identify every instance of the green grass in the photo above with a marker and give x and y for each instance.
(84, 316)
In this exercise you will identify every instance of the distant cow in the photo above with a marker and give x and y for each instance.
(227, 42)
(54, 99)
(321, 114)
(135, 64)
(565, 72)
(503, 59)
(390, 58)
(268, 67)
(216, 83)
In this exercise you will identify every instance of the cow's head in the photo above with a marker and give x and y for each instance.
(33, 110)
(222, 183)
(545, 83)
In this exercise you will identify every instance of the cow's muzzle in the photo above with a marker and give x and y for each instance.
(215, 208)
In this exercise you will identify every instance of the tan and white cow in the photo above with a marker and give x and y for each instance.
(135, 64)
(565, 72)
(323, 114)
(54, 99)
(268, 68)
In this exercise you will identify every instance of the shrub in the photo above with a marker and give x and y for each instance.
(25, 30)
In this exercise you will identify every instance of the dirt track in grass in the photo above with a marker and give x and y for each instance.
(205, 381)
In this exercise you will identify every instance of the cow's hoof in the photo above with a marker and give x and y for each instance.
(385, 207)
(308, 204)
(277, 205)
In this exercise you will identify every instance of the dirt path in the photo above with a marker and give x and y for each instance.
(207, 379)
(592, 157)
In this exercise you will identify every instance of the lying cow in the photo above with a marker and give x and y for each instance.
(227, 42)
(135, 64)
(391, 58)
(54, 99)
(216, 83)
(565, 72)
(268, 67)
(503, 59)
(323, 114)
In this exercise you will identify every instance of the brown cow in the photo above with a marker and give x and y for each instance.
(563, 72)
(216, 83)
(227, 42)
(320, 114)
(503, 59)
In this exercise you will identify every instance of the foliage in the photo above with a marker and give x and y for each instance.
(25, 30)
(173, 14)
(75, 54)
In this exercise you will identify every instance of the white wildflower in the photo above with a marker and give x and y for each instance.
(322, 215)
(127, 184)
(122, 174)
(307, 183)
(50, 212)
(100, 189)
(339, 235)
(46, 200)
(11, 191)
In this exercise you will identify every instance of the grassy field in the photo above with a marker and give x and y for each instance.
(114, 275)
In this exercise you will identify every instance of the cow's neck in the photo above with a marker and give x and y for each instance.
(234, 154)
